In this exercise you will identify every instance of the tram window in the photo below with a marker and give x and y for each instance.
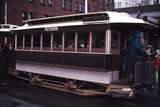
(98, 42)
(83, 42)
(46, 41)
(69, 42)
(36, 42)
(9, 39)
(27, 41)
(19, 41)
(115, 42)
(57, 46)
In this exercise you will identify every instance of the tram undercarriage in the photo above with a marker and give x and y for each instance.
(76, 81)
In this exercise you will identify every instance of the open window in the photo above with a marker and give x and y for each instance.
(98, 42)
(36, 41)
(57, 41)
(69, 44)
(27, 45)
(19, 41)
(83, 42)
(115, 42)
(46, 41)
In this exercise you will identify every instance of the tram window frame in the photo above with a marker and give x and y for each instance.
(27, 45)
(83, 45)
(19, 41)
(69, 42)
(115, 50)
(57, 41)
(46, 41)
(36, 41)
(98, 42)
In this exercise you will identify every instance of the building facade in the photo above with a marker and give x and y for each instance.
(19, 10)
(134, 3)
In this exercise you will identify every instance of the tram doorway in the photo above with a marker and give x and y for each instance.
(143, 69)
(124, 38)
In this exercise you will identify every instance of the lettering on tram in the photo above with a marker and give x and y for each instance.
(51, 28)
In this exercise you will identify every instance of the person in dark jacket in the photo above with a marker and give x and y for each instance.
(4, 57)
(134, 53)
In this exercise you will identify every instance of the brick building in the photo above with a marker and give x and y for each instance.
(26, 9)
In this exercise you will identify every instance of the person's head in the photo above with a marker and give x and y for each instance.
(158, 52)
(136, 35)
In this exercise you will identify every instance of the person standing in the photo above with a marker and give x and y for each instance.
(157, 71)
(134, 53)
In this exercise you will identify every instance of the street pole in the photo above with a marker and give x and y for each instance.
(86, 6)
(5, 16)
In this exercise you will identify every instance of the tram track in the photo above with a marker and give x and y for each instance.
(22, 90)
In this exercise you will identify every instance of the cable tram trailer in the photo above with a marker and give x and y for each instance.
(78, 53)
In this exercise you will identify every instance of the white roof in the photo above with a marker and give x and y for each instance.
(114, 17)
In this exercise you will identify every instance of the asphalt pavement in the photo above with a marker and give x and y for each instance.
(19, 93)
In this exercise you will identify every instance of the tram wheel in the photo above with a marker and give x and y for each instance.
(34, 77)
(71, 84)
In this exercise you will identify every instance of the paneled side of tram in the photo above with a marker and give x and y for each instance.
(84, 47)
(89, 46)
(84, 51)
(87, 41)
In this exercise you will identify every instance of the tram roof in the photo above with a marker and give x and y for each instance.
(107, 17)
(7, 27)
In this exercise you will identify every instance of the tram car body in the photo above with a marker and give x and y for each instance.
(83, 47)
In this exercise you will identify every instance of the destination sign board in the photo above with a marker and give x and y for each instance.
(51, 29)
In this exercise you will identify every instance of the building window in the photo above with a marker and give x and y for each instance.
(63, 4)
(83, 7)
(94, 8)
(24, 15)
(107, 1)
(119, 4)
(46, 15)
(30, 15)
(89, 8)
(49, 3)
(42, 2)
(155, 1)
(76, 6)
(70, 4)
(80, 7)
(30, 1)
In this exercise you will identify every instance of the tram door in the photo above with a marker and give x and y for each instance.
(123, 45)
